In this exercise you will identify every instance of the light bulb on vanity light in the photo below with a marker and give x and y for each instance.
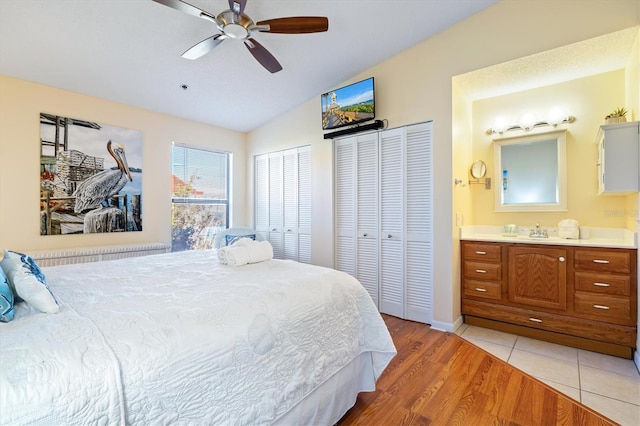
(556, 116)
(500, 124)
(527, 121)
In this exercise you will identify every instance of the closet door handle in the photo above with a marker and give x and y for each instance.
(600, 261)
(388, 235)
(365, 234)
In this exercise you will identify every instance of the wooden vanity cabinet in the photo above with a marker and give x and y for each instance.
(483, 271)
(538, 276)
(584, 297)
(603, 285)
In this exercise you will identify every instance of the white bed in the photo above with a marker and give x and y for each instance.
(179, 339)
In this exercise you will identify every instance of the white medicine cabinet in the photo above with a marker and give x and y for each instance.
(618, 158)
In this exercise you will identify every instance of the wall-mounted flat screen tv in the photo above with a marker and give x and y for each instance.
(348, 105)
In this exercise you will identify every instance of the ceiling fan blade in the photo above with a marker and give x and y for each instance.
(262, 55)
(186, 8)
(237, 6)
(204, 47)
(296, 25)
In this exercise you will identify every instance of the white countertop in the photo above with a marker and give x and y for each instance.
(589, 237)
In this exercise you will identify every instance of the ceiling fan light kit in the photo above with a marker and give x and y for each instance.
(235, 24)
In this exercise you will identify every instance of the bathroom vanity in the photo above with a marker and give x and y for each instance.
(580, 293)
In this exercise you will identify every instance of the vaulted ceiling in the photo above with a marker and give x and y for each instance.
(130, 51)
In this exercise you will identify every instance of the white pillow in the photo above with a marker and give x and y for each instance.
(28, 282)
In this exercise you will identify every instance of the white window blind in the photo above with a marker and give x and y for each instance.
(199, 196)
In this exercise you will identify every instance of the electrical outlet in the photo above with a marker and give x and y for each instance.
(459, 219)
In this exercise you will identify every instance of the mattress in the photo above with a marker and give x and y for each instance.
(179, 339)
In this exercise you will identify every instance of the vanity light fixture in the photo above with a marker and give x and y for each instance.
(528, 122)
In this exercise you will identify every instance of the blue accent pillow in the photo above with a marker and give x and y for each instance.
(6, 298)
(230, 239)
(28, 282)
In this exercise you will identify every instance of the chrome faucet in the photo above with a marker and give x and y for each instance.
(538, 232)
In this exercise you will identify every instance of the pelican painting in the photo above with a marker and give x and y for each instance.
(96, 190)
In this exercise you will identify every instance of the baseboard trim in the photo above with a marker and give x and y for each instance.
(447, 326)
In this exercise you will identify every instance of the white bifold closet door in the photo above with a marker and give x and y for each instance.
(283, 202)
(384, 217)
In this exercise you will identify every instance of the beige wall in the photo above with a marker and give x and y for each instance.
(589, 100)
(416, 86)
(20, 105)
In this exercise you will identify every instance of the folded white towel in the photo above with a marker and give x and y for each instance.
(237, 255)
(259, 251)
(247, 251)
(222, 255)
(223, 251)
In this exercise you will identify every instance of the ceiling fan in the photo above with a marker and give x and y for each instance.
(234, 23)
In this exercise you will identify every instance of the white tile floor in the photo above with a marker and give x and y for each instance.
(607, 384)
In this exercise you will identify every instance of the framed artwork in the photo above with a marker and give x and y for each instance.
(90, 177)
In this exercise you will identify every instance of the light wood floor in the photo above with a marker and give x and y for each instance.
(439, 378)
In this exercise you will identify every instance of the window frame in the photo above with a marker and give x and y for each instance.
(202, 200)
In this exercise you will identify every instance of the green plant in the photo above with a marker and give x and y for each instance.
(618, 112)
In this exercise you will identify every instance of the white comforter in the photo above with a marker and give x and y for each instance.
(180, 339)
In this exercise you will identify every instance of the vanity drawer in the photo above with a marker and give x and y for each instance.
(603, 306)
(603, 261)
(603, 283)
(483, 271)
(480, 251)
(483, 289)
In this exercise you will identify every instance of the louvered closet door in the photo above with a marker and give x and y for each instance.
(345, 225)
(391, 222)
(261, 193)
(290, 204)
(304, 204)
(419, 223)
(275, 204)
(367, 213)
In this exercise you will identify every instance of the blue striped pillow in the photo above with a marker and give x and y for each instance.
(6, 298)
(230, 239)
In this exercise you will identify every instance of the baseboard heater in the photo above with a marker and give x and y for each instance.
(96, 254)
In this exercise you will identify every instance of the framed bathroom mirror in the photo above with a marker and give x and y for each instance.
(530, 172)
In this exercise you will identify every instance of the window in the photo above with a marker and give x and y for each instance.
(199, 196)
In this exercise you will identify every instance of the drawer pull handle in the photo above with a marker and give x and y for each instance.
(481, 252)
(601, 307)
(483, 290)
(600, 261)
(602, 285)
(535, 320)
(481, 271)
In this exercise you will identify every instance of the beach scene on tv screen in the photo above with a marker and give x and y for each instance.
(348, 105)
